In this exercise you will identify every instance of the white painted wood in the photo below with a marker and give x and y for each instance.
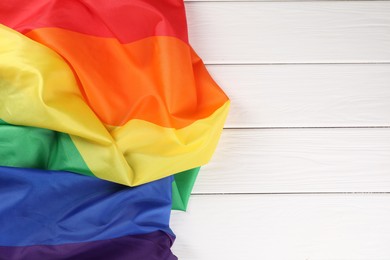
(284, 227)
(300, 71)
(299, 160)
(274, 0)
(290, 32)
(306, 95)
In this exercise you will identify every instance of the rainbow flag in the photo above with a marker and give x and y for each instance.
(107, 89)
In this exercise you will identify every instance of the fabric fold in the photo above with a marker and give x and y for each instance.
(118, 79)
(58, 215)
(106, 116)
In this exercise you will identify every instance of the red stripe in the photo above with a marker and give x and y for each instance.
(125, 20)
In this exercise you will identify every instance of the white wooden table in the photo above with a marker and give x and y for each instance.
(303, 167)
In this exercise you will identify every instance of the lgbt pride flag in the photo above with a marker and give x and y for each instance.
(113, 91)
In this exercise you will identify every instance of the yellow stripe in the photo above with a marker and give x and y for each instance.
(37, 88)
(150, 148)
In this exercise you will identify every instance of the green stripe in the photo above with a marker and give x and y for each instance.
(31, 147)
(182, 187)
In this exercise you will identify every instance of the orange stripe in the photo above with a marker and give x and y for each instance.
(158, 79)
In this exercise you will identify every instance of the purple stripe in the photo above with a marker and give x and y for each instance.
(152, 246)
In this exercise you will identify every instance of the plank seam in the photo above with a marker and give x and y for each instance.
(304, 127)
(295, 63)
(282, 1)
(291, 193)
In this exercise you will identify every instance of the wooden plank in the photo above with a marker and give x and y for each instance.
(284, 227)
(290, 32)
(306, 95)
(299, 160)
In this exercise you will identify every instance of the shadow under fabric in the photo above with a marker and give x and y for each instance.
(106, 115)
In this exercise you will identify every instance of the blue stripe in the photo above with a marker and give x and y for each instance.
(41, 207)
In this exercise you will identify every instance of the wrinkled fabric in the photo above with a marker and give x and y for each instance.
(118, 80)
(57, 214)
(50, 207)
(106, 116)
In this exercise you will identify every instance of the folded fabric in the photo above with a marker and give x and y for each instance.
(58, 215)
(127, 97)
(38, 148)
(106, 115)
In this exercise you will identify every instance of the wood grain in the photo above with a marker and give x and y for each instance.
(284, 227)
(299, 160)
(290, 32)
(306, 95)
(308, 137)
